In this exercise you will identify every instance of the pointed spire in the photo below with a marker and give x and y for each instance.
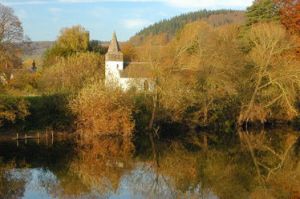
(114, 52)
(114, 45)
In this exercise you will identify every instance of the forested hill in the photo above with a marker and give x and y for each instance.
(171, 26)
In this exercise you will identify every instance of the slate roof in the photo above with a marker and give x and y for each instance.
(114, 44)
(136, 70)
(114, 52)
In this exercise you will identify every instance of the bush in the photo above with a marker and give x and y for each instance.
(12, 109)
(49, 111)
(23, 83)
(70, 74)
(102, 111)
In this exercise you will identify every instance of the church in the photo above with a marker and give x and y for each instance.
(126, 75)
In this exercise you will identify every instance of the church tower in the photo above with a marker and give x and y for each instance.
(113, 61)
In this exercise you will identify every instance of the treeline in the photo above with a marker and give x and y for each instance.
(171, 26)
(207, 76)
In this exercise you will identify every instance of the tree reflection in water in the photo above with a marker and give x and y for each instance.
(10, 186)
(102, 162)
(276, 164)
(207, 165)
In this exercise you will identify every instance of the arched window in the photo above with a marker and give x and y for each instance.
(146, 85)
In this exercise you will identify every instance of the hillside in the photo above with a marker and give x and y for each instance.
(35, 49)
(171, 26)
(167, 26)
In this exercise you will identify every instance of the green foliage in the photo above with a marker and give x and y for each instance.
(12, 109)
(262, 11)
(49, 111)
(36, 112)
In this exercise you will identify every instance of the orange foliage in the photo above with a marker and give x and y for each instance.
(103, 162)
(290, 14)
(102, 111)
(129, 52)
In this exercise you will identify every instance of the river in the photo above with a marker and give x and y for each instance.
(261, 164)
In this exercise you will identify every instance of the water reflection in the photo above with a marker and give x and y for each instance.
(261, 164)
(102, 162)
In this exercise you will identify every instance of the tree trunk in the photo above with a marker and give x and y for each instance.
(244, 117)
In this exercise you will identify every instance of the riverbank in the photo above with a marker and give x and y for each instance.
(44, 112)
(14, 135)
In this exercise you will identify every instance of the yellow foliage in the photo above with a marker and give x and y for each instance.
(273, 81)
(74, 39)
(71, 73)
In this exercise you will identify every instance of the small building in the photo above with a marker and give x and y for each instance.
(125, 75)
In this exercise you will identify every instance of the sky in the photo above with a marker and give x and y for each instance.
(43, 19)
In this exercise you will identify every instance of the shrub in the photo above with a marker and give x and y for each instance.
(102, 111)
(71, 73)
(12, 109)
(49, 111)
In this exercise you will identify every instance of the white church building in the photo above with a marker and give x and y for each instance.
(125, 74)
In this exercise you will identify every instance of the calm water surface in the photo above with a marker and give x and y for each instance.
(262, 164)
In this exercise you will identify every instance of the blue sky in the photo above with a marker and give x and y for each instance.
(43, 19)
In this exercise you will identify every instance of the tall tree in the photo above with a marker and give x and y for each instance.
(10, 26)
(273, 75)
(74, 39)
(203, 51)
(290, 14)
(11, 32)
(71, 40)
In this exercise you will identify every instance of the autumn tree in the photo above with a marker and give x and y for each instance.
(272, 77)
(129, 52)
(10, 26)
(11, 32)
(70, 41)
(290, 14)
(70, 74)
(73, 39)
(103, 111)
(290, 18)
(202, 51)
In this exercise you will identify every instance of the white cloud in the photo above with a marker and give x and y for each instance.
(135, 23)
